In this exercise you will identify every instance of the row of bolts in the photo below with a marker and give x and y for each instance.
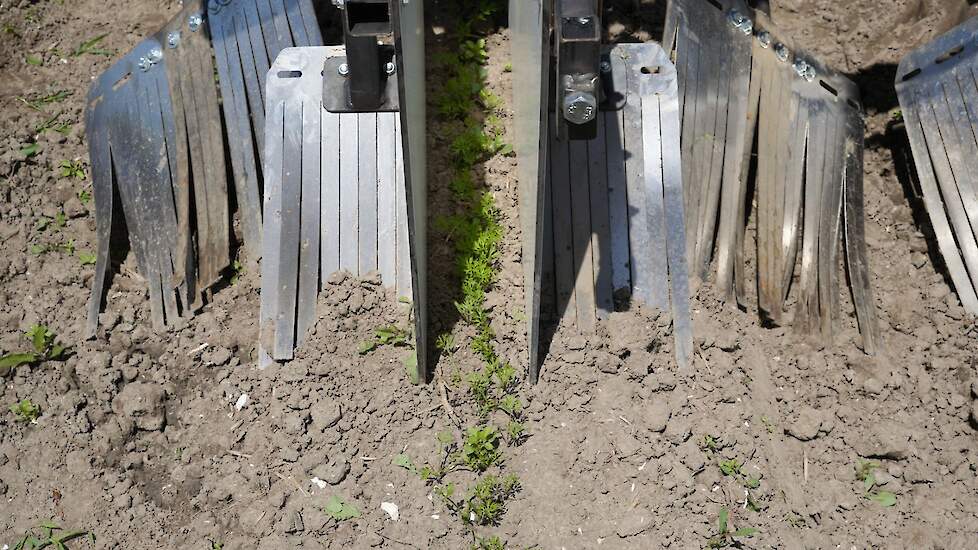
(194, 22)
(737, 19)
(801, 67)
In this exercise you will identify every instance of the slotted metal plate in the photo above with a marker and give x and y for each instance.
(335, 198)
(741, 80)
(614, 206)
(154, 130)
(247, 36)
(939, 99)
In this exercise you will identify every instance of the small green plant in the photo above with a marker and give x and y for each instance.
(485, 503)
(389, 335)
(84, 196)
(91, 47)
(216, 545)
(864, 473)
(480, 448)
(41, 249)
(30, 150)
(508, 68)
(339, 509)
(72, 169)
(52, 536)
(46, 348)
(34, 61)
(25, 411)
(87, 258)
(726, 537)
(445, 343)
(38, 103)
(488, 543)
(237, 270)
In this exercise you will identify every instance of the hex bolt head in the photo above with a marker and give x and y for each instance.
(144, 64)
(341, 4)
(764, 39)
(803, 69)
(343, 69)
(173, 40)
(782, 52)
(583, 21)
(606, 66)
(580, 107)
(195, 21)
(155, 56)
(736, 18)
(390, 68)
(747, 27)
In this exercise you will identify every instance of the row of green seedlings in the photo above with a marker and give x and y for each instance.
(726, 536)
(478, 135)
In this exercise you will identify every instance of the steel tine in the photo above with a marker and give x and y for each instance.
(939, 142)
(296, 24)
(828, 240)
(648, 255)
(367, 209)
(271, 279)
(285, 321)
(600, 221)
(309, 207)
(794, 190)
(959, 142)
(531, 72)
(252, 84)
(237, 120)
(329, 193)
(740, 224)
(938, 213)
(617, 198)
(248, 11)
(857, 262)
(100, 160)
(386, 198)
(662, 89)
(580, 232)
(404, 277)
(814, 178)
(561, 212)
(349, 193)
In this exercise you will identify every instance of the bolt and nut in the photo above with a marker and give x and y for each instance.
(781, 51)
(805, 70)
(195, 21)
(764, 39)
(339, 4)
(606, 66)
(173, 40)
(343, 69)
(741, 21)
(155, 56)
(580, 107)
(390, 68)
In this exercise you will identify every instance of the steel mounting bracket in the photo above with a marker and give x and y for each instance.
(365, 80)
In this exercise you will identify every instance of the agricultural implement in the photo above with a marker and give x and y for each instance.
(344, 168)
(939, 101)
(746, 89)
(601, 189)
(155, 136)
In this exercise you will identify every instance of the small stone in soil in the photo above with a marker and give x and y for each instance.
(806, 426)
(334, 474)
(143, 404)
(633, 524)
(657, 416)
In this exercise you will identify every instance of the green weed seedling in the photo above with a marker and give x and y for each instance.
(91, 47)
(385, 336)
(237, 269)
(445, 343)
(87, 258)
(488, 543)
(46, 348)
(52, 536)
(480, 448)
(72, 169)
(25, 411)
(30, 150)
(486, 503)
(38, 103)
(340, 510)
(864, 473)
(34, 61)
(84, 196)
(725, 537)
